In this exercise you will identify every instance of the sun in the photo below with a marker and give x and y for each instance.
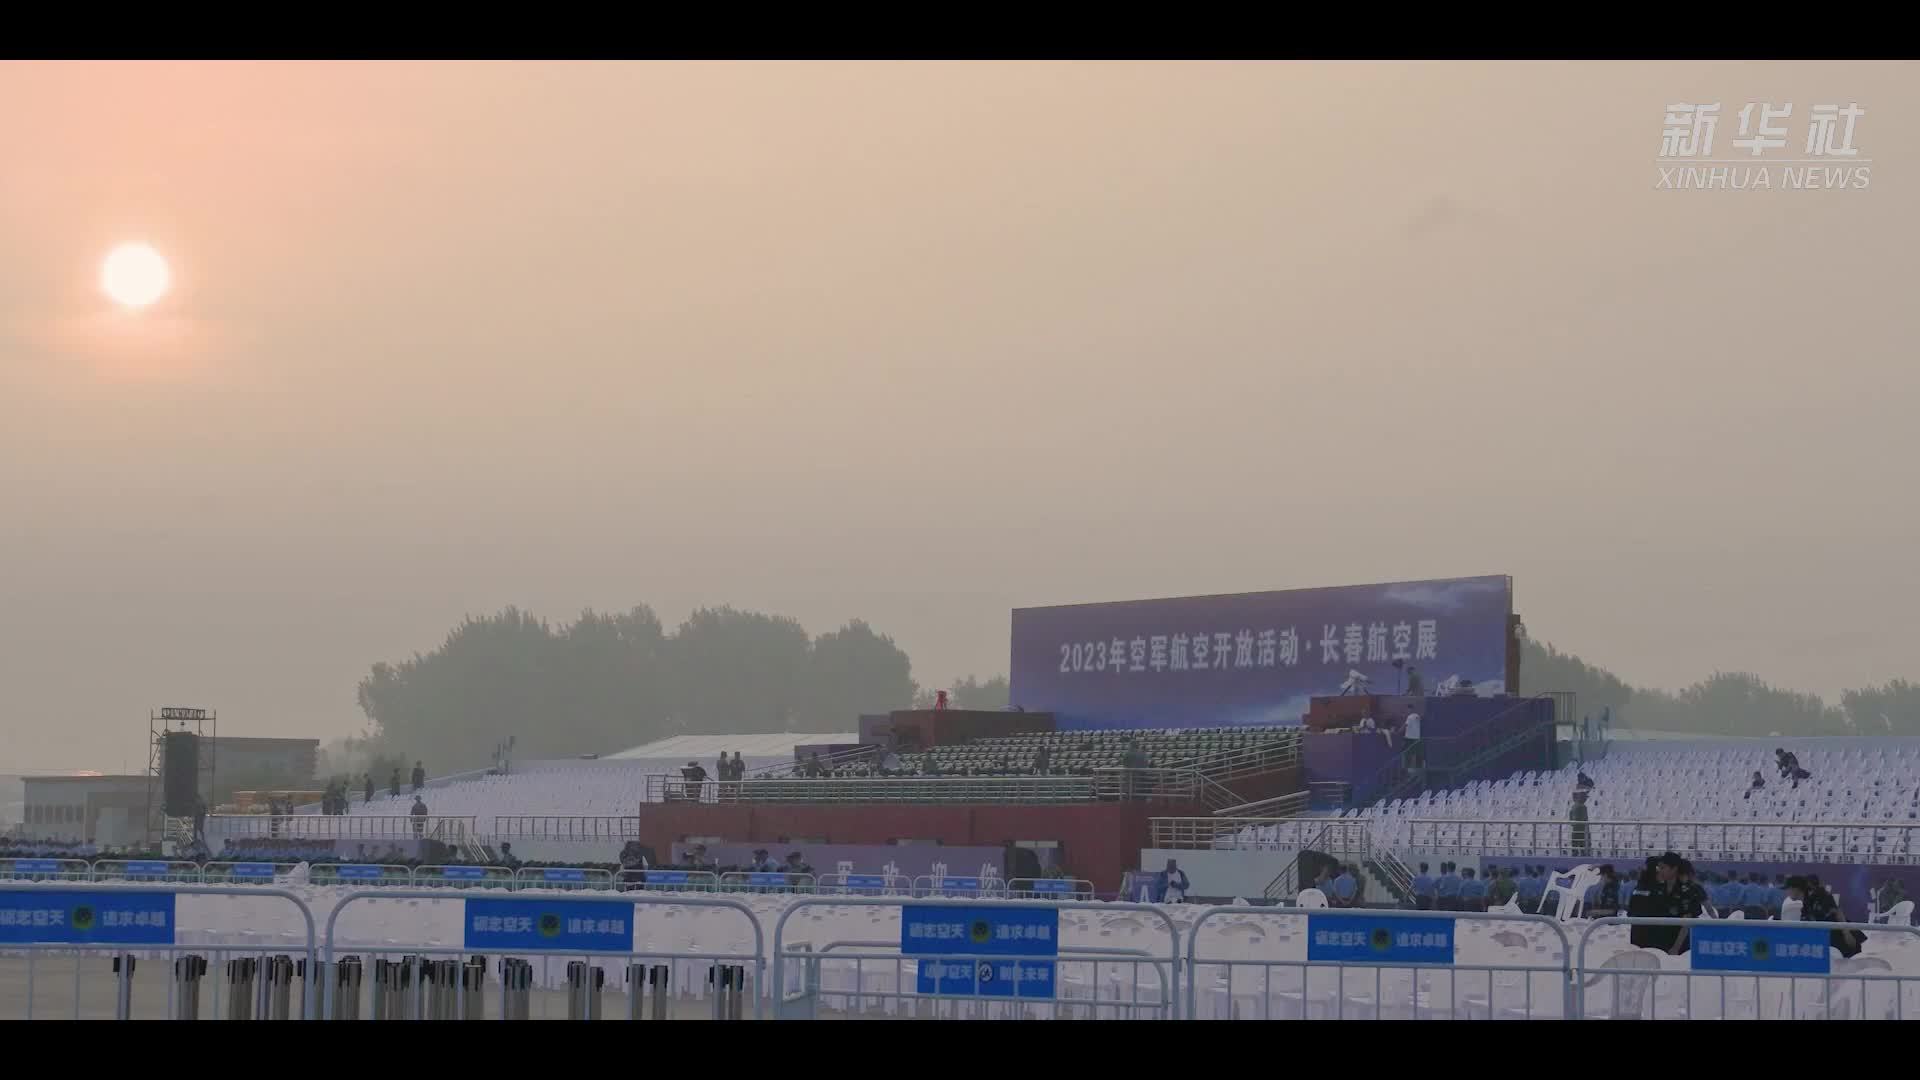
(134, 275)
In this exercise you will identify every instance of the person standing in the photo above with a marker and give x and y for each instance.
(1577, 819)
(419, 813)
(1446, 891)
(393, 788)
(369, 789)
(1423, 890)
(1416, 753)
(419, 776)
(1172, 884)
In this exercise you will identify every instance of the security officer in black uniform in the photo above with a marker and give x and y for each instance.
(1648, 901)
(1689, 902)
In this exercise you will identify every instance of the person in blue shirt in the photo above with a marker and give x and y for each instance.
(1532, 887)
(1446, 891)
(1473, 891)
(1753, 897)
(1423, 889)
(1344, 888)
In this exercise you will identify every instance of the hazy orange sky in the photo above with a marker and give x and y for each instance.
(920, 343)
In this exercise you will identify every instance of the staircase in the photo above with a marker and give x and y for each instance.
(1391, 873)
(1397, 780)
(1345, 839)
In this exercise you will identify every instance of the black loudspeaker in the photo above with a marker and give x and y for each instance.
(180, 772)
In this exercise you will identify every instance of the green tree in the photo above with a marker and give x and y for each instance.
(852, 671)
(969, 693)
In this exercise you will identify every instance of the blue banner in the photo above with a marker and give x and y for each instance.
(36, 866)
(1742, 945)
(668, 877)
(87, 917)
(250, 870)
(358, 872)
(945, 930)
(1379, 939)
(762, 878)
(145, 868)
(995, 977)
(1254, 658)
(563, 873)
(1051, 885)
(865, 881)
(957, 884)
(464, 873)
(548, 926)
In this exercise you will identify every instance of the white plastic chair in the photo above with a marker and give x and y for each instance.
(1900, 914)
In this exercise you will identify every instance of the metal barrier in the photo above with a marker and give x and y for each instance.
(910, 789)
(596, 932)
(245, 873)
(1006, 958)
(1738, 969)
(45, 870)
(1049, 889)
(149, 870)
(1368, 964)
(562, 877)
(669, 881)
(137, 927)
(767, 881)
(1726, 841)
(864, 885)
(370, 875)
(929, 885)
(436, 876)
(446, 827)
(566, 827)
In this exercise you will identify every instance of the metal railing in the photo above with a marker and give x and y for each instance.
(919, 789)
(1280, 806)
(1250, 760)
(1394, 980)
(1880, 843)
(1346, 839)
(1251, 833)
(446, 828)
(566, 827)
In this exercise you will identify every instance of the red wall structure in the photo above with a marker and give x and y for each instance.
(1099, 840)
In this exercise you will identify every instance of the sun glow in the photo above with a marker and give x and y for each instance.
(135, 276)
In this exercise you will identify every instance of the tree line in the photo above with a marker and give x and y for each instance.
(603, 683)
(606, 682)
(1724, 703)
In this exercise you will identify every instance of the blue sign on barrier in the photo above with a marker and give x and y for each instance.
(588, 926)
(865, 881)
(36, 866)
(563, 873)
(146, 869)
(667, 877)
(1050, 885)
(990, 933)
(251, 870)
(355, 871)
(989, 976)
(986, 932)
(930, 930)
(1379, 939)
(87, 917)
(464, 873)
(956, 883)
(1761, 947)
(758, 878)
